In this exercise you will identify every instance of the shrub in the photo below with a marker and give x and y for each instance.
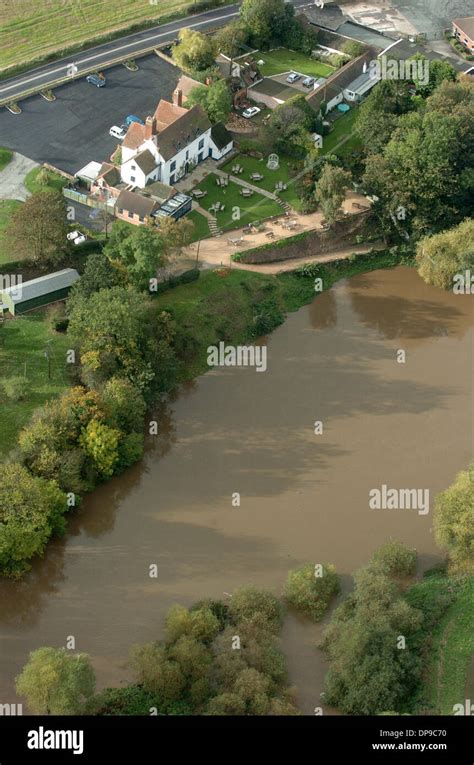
(15, 388)
(248, 604)
(310, 593)
(394, 559)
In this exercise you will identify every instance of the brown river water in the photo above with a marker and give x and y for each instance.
(304, 497)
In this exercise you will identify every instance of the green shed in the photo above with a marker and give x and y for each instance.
(38, 292)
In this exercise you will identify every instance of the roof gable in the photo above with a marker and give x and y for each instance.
(183, 131)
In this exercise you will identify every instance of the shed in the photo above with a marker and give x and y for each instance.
(38, 292)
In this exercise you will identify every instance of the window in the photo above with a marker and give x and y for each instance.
(201, 144)
(133, 167)
(130, 214)
(187, 155)
(200, 157)
(141, 218)
(132, 178)
(173, 166)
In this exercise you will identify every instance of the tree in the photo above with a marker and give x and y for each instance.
(100, 442)
(175, 234)
(454, 522)
(250, 604)
(266, 20)
(288, 127)
(56, 682)
(215, 99)
(37, 230)
(438, 71)
(141, 250)
(124, 405)
(230, 41)
(99, 273)
(427, 166)
(31, 510)
(118, 334)
(331, 191)
(443, 257)
(194, 50)
(156, 673)
(378, 115)
(311, 593)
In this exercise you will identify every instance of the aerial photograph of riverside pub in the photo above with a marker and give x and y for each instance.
(236, 370)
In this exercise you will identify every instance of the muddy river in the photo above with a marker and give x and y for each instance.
(303, 497)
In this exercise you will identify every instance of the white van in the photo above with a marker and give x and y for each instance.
(117, 132)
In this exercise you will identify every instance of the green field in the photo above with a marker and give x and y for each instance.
(284, 60)
(56, 181)
(7, 207)
(23, 342)
(286, 172)
(33, 30)
(343, 128)
(453, 649)
(201, 226)
(255, 208)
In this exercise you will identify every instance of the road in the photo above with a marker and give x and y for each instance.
(97, 57)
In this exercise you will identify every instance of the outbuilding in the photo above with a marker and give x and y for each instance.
(24, 296)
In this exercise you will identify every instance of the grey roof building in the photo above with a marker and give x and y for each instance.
(38, 292)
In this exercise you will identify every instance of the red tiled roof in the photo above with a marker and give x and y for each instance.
(135, 136)
(167, 113)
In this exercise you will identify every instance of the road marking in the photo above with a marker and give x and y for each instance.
(111, 53)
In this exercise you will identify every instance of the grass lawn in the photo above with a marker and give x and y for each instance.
(288, 169)
(31, 30)
(56, 181)
(453, 648)
(284, 60)
(342, 127)
(201, 226)
(7, 207)
(255, 208)
(23, 342)
(5, 157)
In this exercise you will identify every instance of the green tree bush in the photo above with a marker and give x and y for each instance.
(311, 593)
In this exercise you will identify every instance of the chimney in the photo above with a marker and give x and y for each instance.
(178, 97)
(150, 127)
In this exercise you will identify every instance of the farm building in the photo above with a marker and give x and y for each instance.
(38, 292)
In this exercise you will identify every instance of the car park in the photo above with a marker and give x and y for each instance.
(308, 82)
(293, 77)
(117, 132)
(95, 79)
(251, 112)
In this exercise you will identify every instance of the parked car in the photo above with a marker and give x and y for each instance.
(131, 118)
(308, 82)
(293, 77)
(251, 112)
(117, 132)
(94, 79)
(76, 237)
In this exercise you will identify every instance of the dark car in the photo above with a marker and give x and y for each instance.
(95, 79)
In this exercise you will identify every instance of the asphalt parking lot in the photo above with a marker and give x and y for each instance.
(74, 129)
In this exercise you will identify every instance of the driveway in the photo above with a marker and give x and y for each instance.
(12, 176)
(73, 130)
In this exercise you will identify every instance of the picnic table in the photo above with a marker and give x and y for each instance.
(198, 194)
(270, 235)
(235, 242)
(246, 192)
(256, 177)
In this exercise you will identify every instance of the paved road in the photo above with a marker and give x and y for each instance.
(98, 56)
(12, 177)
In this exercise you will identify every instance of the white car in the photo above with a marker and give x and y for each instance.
(293, 77)
(117, 132)
(76, 237)
(251, 112)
